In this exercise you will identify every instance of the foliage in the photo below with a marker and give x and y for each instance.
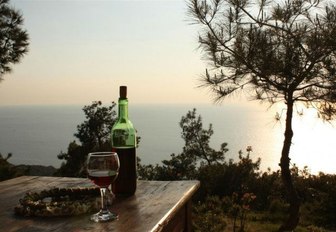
(13, 38)
(238, 208)
(75, 158)
(278, 49)
(197, 140)
(179, 167)
(95, 131)
(209, 215)
(319, 199)
(227, 178)
(196, 152)
(93, 134)
(275, 51)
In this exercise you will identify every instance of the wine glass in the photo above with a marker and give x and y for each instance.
(103, 168)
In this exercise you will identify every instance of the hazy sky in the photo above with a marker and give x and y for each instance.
(81, 51)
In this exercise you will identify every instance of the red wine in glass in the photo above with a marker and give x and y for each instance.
(103, 169)
(102, 178)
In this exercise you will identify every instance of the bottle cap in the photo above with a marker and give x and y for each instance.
(123, 92)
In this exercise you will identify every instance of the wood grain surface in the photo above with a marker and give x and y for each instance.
(156, 206)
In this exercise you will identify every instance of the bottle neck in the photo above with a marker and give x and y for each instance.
(123, 108)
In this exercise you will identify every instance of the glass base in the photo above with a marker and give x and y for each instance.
(104, 216)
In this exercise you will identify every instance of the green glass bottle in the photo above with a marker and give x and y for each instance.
(123, 138)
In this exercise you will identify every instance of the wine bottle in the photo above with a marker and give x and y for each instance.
(123, 136)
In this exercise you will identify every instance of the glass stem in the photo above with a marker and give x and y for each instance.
(103, 199)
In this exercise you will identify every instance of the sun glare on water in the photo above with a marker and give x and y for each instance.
(312, 142)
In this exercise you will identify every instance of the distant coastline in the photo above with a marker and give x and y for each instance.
(9, 170)
(37, 170)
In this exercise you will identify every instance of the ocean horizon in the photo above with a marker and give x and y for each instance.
(37, 134)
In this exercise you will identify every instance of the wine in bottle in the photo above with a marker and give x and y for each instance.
(123, 138)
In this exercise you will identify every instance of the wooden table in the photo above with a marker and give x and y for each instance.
(156, 206)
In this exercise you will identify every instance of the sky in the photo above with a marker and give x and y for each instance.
(83, 50)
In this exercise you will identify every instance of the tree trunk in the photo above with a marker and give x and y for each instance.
(293, 214)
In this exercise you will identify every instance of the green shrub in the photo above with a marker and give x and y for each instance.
(209, 215)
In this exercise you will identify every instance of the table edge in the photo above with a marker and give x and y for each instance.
(170, 214)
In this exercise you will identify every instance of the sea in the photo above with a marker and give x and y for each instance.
(37, 134)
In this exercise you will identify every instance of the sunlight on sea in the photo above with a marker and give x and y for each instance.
(312, 143)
